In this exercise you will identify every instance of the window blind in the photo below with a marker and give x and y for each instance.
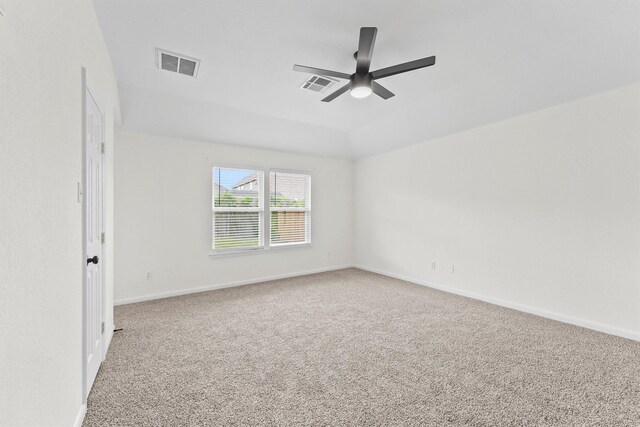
(238, 209)
(290, 208)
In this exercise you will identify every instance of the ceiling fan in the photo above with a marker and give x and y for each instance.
(363, 82)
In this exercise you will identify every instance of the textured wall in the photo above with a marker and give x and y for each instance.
(542, 210)
(163, 216)
(44, 46)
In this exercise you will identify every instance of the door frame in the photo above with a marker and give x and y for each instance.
(82, 191)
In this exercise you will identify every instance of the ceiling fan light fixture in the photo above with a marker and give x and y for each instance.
(363, 82)
(360, 91)
(360, 85)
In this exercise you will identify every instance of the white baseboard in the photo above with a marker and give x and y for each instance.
(612, 330)
(80, 416)
(107, 341)
(600, 327)
(226, 285)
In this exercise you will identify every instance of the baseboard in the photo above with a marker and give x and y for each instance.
(226, 285)
(600, 327)
(80, 416)
(107, 341)
(607, 329)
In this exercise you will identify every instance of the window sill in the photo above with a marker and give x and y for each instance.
(243, 252)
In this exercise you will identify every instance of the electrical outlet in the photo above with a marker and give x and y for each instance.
(149, 275)
(453, 268)
(433, 265)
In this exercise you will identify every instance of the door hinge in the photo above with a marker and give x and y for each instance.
(102, 238)
(102, 147)
(102, 328)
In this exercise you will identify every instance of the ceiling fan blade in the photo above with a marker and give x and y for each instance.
(381, 91)
(403, 68)
(321, 71)
(337, 93)
(365, 49)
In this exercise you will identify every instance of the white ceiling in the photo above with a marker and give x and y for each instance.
(495, 59)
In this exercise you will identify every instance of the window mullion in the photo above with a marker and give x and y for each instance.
(236, 209)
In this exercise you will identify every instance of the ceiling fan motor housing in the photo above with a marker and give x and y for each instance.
(358, 80)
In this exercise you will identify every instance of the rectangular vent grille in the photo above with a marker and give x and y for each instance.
(177, 63)
(318, 83)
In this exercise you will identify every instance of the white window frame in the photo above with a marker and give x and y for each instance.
(306, 210)
(266, 214)
(261, 208)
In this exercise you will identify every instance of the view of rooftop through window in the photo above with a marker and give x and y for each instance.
(233, 187)
(239, 205)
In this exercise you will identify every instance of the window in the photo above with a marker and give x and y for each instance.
(238, 209)
(290, 208)
(239, 217)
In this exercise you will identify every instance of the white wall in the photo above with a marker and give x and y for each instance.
(163, 216)
(165, 114)
(542, 210)
(44, 45)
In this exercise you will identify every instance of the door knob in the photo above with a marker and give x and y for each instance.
(93, 260)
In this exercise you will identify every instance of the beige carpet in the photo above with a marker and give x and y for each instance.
(355, 348)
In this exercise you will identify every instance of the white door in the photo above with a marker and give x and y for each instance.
(94, 205)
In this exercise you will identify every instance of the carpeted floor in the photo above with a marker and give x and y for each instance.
(355, 348)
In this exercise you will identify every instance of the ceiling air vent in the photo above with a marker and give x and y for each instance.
(177, 63)
(318, 83)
